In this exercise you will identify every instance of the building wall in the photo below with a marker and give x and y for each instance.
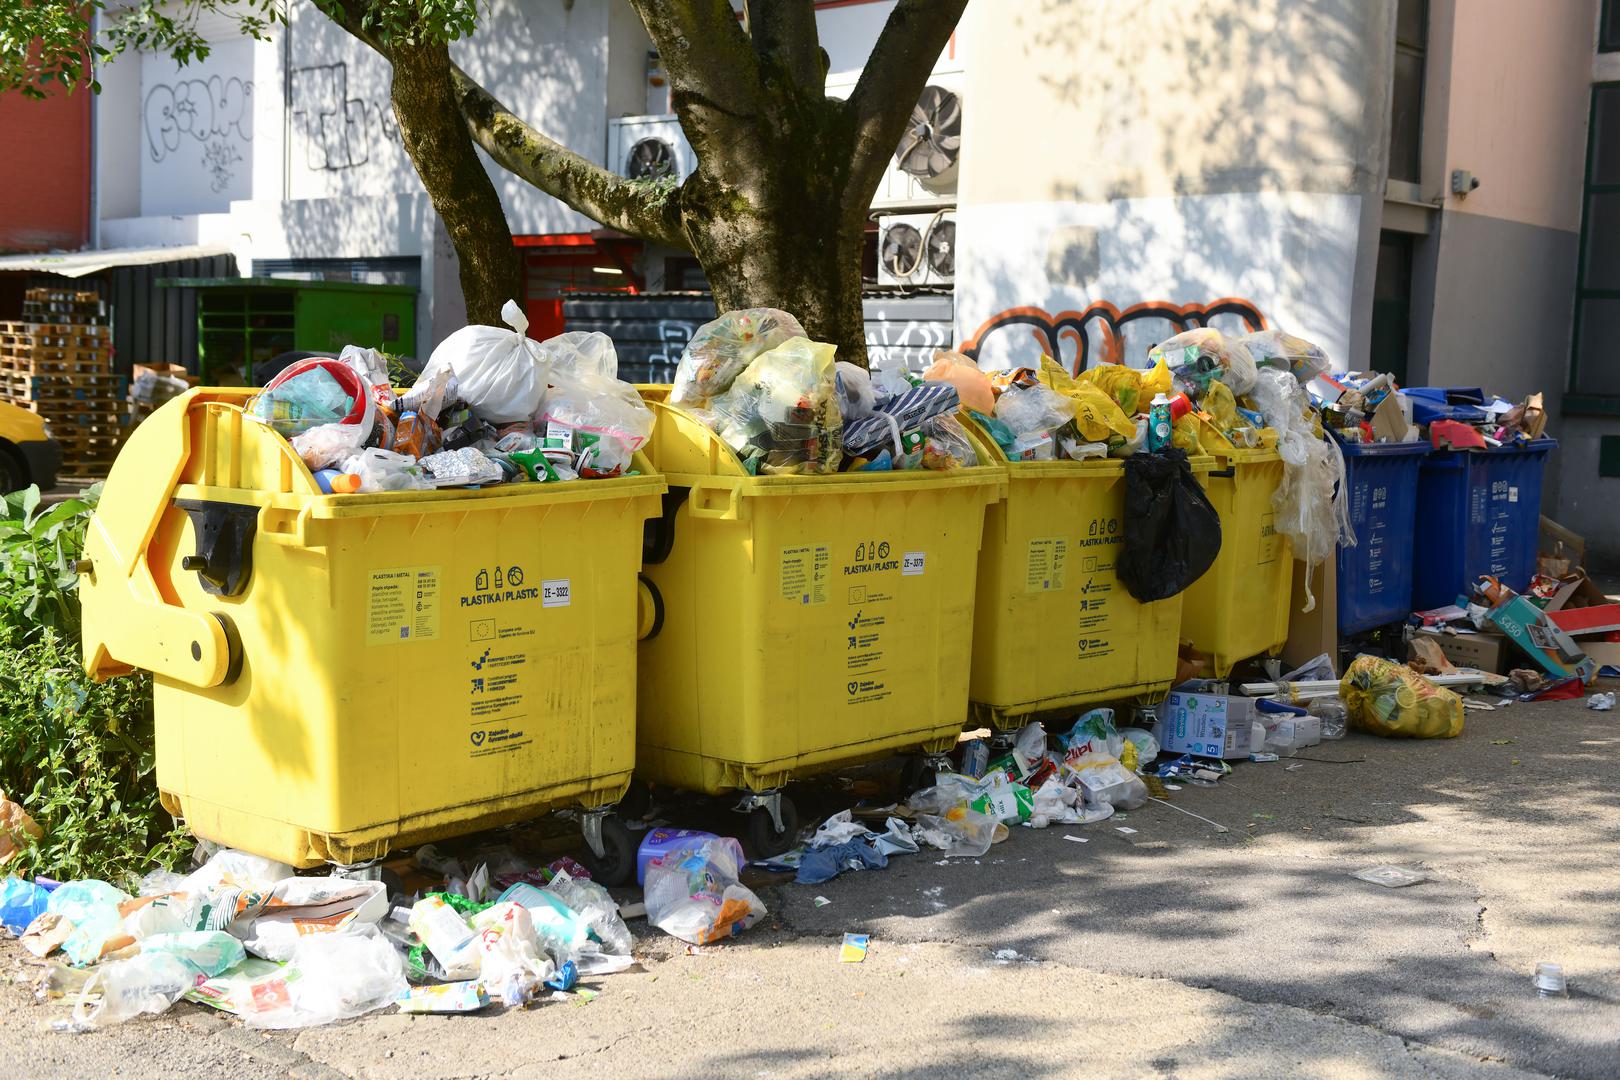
(1195, 156)
(44, 173)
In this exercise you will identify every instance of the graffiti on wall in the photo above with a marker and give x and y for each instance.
(1100, 333)
(338, 131)
(216, 113)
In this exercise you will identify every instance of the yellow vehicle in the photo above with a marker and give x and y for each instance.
(28, 452)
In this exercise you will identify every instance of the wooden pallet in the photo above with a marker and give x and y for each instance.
(59, 306)
(62, 363)
(65, 389)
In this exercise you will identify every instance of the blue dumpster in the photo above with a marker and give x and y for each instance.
(1375, 576)
(1479, 512)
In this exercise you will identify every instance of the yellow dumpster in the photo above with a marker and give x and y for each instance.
(339, 674)
(1239, 608)
(1054, 628)
(809, 622)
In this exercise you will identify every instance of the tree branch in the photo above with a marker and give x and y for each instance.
(713, 73)
(784, 36)
(895, 74)
(645, 209)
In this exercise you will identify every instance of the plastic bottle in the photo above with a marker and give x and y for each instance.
(1158, 433)
(1334, 715)
(1550, 981)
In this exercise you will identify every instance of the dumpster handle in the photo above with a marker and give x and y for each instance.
(658, 535)
(1225, 474)
(729, 512)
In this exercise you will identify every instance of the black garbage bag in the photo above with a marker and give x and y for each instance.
(1172, 532)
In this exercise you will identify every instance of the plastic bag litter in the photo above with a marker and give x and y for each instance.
(781, 413)
(610, 936)
(960, 832)
(512, 964)
(313, 392)
(156, 915)
(946, 445)
(581, 352)
(372, 367)
(1202, 355)
(93, 909)
(1104, 781)
(693, 894)
(1311, 504)
(500, 374)
(129, 988)
(326, 445)
(1386, 698)
(889, 377)
(21, 902)
(271, 924)
(1172, 533)
(598, 418)
(229, 866)
(1275, 349)
(722, 349)
(1056, 803)
(433, 390)
(1147, 747)
(1032, 411)
(856, 396)
(1123, 384)
(331, 977)
(384, 470)
(207, 952)
(972, 385)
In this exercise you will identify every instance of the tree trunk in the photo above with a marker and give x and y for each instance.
(436, 137)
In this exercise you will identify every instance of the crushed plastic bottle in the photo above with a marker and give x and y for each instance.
(1334, 715)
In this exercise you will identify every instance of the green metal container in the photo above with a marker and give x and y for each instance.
(242, 322)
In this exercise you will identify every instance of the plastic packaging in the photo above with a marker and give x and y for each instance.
(172, 914)
(656, 843)
(511, 965)
(236, 868)
(1386, 698)
(384, 470)
(693, 894)
(313, 392)
(1285, 352)
(597, 418)
(129, 988)
(1158, 436)
(781, 414)
(500, 374)
(98, 926)
(596, 906)
(416, 435)
(272, 923)
(331, 977)
(372, 367)
(326, 445)
(447, 935)
(207, 952)
(1333, 714)
(21, 902)
(856, 397)
(1203, 355)
(972, 385)
(579, 353)
(946, 445)
(1033, 410)
(722, 349)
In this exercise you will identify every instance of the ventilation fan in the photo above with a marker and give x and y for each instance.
(942, 248)
(901, 253)
(933, 140)
(650, 159)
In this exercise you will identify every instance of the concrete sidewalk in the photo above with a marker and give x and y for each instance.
(1176, 951)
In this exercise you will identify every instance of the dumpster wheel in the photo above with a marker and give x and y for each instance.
(763, 836)
(617, 863)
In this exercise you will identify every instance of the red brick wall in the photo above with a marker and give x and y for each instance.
(45, 171)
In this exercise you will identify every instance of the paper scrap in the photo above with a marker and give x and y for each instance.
(821, 901)
(1077, 839)
(853, 951)
(1126, 829)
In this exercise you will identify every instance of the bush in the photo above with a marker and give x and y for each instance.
(78, 755)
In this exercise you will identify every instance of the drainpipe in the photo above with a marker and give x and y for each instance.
(94, 177)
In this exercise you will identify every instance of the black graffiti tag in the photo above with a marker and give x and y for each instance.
(200, 109)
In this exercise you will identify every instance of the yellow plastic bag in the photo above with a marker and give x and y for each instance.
(1386, 698)
(1121, 383)
(1156, 380)
(1095, 413)
(1184, 435)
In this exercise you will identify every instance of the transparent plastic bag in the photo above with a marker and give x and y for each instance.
(207, 952)
(331, 977)
(311, 393)
(242, 869)
(372, 367)
(960, 832)
(324, 446)
(722, 349)
(599, 419)
(1310, 504)
(972, 385)
(599, 910)
(782, 411)
(1203, 355)
(693, 893)
(581, 352)
(1285, 352)
(384, 470)
(1034, 410)
(856, 398)
(129, 988)
(500, 374)
(946, 444)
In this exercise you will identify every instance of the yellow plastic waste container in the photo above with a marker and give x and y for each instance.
(809, 622)
(339, 674)
(1239, 608)
(1054, 628)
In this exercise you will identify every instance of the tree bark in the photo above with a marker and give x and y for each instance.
(436, 137)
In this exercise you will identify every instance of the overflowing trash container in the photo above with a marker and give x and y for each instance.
(1375, 575)
(1053, 627)
(1478, 513)
(1240, 608)
(808, 622)
(338, 675)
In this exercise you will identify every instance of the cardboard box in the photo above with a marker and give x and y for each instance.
(1532, 631)
(1486, 651)
(1205, 724)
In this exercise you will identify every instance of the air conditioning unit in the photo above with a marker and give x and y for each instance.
(922, 171)
(648, 147)
(917, 249)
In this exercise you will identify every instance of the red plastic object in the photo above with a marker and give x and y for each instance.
(1179, 406)
(1454, 435)
(346, 376)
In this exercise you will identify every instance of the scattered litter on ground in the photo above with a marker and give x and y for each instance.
(853, 950)
(1391, 877)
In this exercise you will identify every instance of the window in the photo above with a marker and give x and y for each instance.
(1595, 367)
(1406, 113)
(1609, 28)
